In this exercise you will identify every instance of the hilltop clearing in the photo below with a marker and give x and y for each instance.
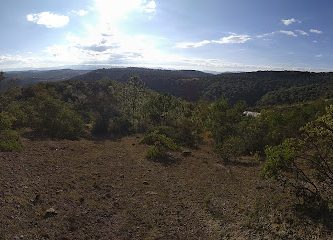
(108, 190)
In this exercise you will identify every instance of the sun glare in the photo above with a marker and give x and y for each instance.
(113, 10)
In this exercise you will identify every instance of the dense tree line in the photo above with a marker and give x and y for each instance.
(269, 88)
(254, 88)
(265, 88)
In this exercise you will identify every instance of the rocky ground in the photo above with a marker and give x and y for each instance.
(108, 190)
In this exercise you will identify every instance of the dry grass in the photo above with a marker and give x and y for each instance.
(108, 190)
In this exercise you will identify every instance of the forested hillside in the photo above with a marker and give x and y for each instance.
(264, 88)
(255, 88)
(178, 83)
(269, 87)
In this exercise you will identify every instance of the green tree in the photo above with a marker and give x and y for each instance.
(158, 108)
(9, 139)
(161, 145)
(6, 121)
(135, 95)
(306, 163)
(56, 119)
(223, 119)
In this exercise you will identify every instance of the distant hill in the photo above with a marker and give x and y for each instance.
(263, 87)
(180, 83)
(24, 78)
(255, 88)
(268, 87)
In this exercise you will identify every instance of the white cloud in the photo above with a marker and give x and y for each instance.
(319, 56)
(290, 21)
(316, 31)
(150, 7)
(48, 19)
(301, 32)
(288, 33)
(20, 61)
(104, 42)
(231, 39)
(106, 46)
(266, 36)
(193, 44)
(80, 13)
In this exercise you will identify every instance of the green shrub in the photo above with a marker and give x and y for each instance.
(167, 131)
(157, 139)
(101, 126)
(9, 141)
(157, 153)
(161, 145)
(117, 126)
(252, 131)
(305, 164)
(231, 148)
(56, 119)
(22, 113)
(6, 121)
(188, 134)
(183, 134)
(120, 126)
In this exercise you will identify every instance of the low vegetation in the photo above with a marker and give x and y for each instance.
(305, 163)
(9, 139)
(161, 146)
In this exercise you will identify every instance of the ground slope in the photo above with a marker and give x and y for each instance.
(108, 190)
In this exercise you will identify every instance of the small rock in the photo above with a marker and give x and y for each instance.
(50, 213)
(187, 153)
(36, 200)
(145, 183)
(172, 157)
(151, 193)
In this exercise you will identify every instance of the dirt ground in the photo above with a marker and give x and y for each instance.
(108, 190)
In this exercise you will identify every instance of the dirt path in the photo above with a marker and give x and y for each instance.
(108, 190)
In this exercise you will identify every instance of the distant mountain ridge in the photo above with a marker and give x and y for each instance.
(255, 88)
(258, 87)
(180, 83)
(262, 87)
(25, 78)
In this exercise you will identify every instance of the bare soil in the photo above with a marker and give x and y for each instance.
(108, 190)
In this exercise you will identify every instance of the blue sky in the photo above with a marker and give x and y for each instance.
(216, 35)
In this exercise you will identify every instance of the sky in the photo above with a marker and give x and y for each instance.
(211, 35)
